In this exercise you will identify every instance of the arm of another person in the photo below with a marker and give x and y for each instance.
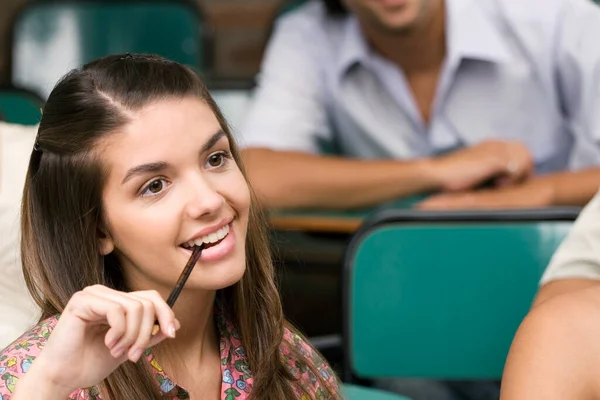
(285, 179)
(576, 68)
(556, 352)
(287, 121)
(569, 188)
(576, 263)
(577, 60)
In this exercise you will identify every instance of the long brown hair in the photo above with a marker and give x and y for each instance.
(63, 213)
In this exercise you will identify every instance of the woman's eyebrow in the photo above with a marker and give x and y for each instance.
(157, 167)
(212, 141)
(154, 167)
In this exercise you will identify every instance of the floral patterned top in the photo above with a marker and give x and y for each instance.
(236, 381)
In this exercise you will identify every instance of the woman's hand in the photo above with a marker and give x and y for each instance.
(99, 329)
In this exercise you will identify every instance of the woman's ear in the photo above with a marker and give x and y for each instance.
(105, 242)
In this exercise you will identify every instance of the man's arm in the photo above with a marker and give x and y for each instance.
(285, 179)
(576, 72)
(572, 188)
(299, 180)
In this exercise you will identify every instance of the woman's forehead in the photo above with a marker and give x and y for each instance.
(169, 129)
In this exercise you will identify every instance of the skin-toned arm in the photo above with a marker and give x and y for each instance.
(559, 189)
(556, 352)
(563, 286)
(298, 180)
(573, 188)
(285, 179)
(35, 385)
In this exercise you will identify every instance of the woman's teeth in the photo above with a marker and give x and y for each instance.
(210, 238)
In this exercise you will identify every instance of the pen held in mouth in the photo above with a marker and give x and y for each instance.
(185, 274)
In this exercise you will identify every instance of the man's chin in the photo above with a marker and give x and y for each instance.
(398, 28)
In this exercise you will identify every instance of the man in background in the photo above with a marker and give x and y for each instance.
(421, 96)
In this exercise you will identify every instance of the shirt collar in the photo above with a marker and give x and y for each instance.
(472, 33)
(354, 48)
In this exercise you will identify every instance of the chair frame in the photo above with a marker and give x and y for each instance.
(385, 217)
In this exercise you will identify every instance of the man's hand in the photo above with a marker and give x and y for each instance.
(534, 193)
(505, 162)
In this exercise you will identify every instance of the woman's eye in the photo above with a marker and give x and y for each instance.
(217, 160)
(155, 187)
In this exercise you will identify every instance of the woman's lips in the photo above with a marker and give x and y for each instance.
(218, 250)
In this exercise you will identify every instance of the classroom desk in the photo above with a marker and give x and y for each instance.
(335, 222)
(318, 221)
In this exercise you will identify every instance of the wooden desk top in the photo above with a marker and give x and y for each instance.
(316, 222)
(345, 222)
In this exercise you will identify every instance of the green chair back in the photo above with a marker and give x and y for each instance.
(290, 6)
(441, 295)
(19, 106)
(51, 37)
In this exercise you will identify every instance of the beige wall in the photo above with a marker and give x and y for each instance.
(240, 29)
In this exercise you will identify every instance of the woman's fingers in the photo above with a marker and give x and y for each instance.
(164, 314)
(145, 331)
(117, 321)
(142, 309)
(88, 306)
(131, 317)
(134, 312)
(156, 339)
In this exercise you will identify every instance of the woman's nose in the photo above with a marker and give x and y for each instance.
(203, 199)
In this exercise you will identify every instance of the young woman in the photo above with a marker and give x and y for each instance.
(133, 166)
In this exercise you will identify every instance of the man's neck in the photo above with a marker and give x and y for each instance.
(419, 50)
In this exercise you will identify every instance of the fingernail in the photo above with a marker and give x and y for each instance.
(177, 324)
(118, 352)
(135, 355)
(111, 343)
(172, 330)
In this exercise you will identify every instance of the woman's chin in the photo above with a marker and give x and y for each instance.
(216, 277)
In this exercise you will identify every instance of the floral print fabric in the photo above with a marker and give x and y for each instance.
(237, 379)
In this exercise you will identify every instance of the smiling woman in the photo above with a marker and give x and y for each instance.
(133, 167)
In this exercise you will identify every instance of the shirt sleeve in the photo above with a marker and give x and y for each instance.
(16, 359)
(577, 61)
(288, 111)
(299, 369)
(578, 256)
